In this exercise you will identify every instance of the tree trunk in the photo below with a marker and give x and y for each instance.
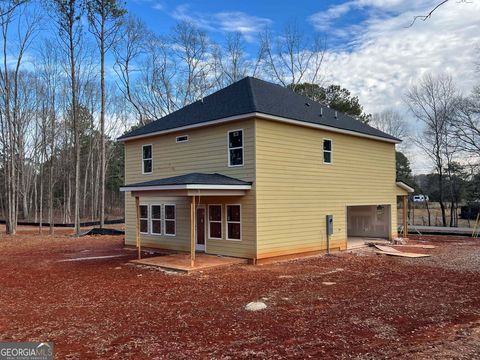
(102, 126)
(50, 183)
(40, 215)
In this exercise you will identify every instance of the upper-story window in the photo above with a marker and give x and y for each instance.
(327, 151)
(235, 148)
(146, 159)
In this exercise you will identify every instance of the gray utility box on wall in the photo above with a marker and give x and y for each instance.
(329, 224)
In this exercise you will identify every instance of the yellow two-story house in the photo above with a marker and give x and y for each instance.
(257, 171)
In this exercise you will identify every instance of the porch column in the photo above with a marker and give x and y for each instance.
(405, 217)
(137, 227)
(192, 232)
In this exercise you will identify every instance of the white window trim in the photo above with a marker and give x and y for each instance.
(233, 222)
(147, 218)
(234, 148)
(165, 220)
(215, 221)
(152, 219)
(329, 151)
(143, 160)
(179, 136)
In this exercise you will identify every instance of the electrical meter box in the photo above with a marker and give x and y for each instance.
(329, 224)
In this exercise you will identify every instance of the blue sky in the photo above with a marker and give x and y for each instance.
(218, 17)
(370, 48)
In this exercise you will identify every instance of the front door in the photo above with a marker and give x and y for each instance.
(200, 229)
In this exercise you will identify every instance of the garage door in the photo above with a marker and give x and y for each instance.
(368, 221)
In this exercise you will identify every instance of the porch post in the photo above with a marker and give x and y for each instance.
(137, 227)
(192, 232)
(405, 216)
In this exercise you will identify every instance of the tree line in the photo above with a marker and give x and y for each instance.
(449, 137)
(77, 73)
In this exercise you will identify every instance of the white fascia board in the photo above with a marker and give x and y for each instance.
(405, 187)
(187, 187)
(193, 126)
(267, 117)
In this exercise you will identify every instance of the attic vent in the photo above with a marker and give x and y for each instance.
(336, 115)
(321, 111)
(307, 104)
(182, 138)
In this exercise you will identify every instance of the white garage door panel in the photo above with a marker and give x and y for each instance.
(369, 221)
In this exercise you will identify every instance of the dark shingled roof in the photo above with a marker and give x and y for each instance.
(192, 178)
(253, 95)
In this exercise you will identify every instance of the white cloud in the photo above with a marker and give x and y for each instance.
(242, 23)
(386, 57)
(158, 6)
(235, 21)
(322, 20)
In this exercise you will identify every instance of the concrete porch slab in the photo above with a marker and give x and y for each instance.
(181, 262)
(354, 242)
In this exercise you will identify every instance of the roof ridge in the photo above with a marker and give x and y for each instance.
(251, 92)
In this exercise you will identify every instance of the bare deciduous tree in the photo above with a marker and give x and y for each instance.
(292, 58)
(193, 50)
(390, 122)
(68, 19)
(467, 123)
(233, 60)
(127, 51)
(13, 122)
(433, 102)
(105, 18)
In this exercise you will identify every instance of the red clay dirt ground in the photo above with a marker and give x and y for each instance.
(379, 307)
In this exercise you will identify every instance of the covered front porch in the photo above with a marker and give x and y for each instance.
(196, 210)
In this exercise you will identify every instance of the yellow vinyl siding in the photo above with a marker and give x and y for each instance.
(206, 152)
(295, 190)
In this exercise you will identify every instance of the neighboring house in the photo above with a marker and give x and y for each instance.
(264, 167)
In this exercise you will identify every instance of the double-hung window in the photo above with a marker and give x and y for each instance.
(144, 219)
(156, 219)
(327, 151)
(235, 148)
(147, 159)
(170, 219)
(234, 223)
(214, 221)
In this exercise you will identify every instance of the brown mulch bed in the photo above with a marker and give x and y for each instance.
(379, 307)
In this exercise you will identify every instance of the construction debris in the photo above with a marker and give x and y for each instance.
(377, 242)
(91, 258)
(102, 231)
(421, 246)
(387, 250)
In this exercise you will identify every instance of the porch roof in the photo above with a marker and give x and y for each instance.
(403, 188)
(191, 181)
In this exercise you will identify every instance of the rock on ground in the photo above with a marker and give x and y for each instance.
(255, 306)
